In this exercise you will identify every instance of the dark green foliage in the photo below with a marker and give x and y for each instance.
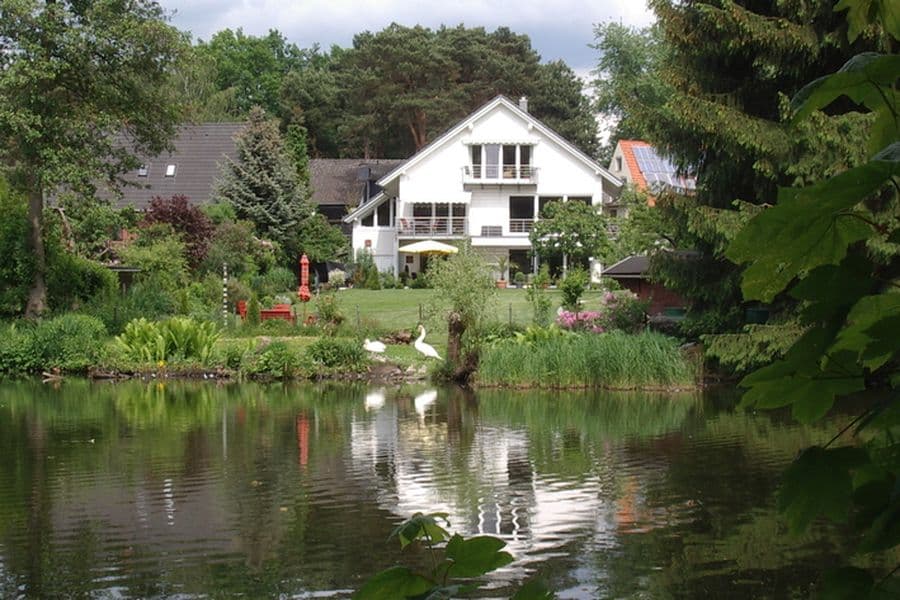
(235, 244)
(832, 246)
(262, 184)
(754, 347)
(253, 67)
(320, 240)
(277, 280)
(328, 310)
(573, 287)
(72, 75)
(70, 343)
(276, 360)
(623, 311)
(73, 281)
(338, 353)
(253, 311)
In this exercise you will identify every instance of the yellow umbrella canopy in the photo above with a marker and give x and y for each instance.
(429, 247)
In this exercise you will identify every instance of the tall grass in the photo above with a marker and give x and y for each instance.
(615, 360)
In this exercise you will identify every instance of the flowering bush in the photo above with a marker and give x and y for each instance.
(624, 311)
(618, 310)
(581, 321)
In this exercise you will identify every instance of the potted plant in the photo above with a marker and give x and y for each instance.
(519, 279)
(502, 264)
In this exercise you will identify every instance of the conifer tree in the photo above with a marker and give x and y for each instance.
(730, 67)
(262, 184)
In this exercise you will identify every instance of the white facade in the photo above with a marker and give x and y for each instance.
(485, 179)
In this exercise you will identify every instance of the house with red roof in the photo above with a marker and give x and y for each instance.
(639, 164)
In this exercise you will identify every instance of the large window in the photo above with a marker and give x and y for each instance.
(384, 214)
(496, 161)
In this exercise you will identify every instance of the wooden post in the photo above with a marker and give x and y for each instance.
(225, 294)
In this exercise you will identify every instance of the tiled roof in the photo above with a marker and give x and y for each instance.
(631, 164)
(337, 181)
(199, 150)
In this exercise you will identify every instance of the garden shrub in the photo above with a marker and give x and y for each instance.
(573, 287)
(338, 353)
(160, 255)
(539, 298)
(277, 360)
(388, 281)
(187, 221)
(70, 343)
(328, 310)
(253, 311)
(276, 280)
(337, 278)
(73, 281)
(624, 311)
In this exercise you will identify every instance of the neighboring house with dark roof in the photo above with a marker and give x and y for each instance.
(191, 169)
(638, 163)
(631, 274)
(341, 184)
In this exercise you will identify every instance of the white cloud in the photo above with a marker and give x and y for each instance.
(561, 29)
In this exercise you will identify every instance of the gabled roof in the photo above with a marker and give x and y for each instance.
(528, 117)
(631, 267)
(339, 182)
(363, 209)
(198, 152)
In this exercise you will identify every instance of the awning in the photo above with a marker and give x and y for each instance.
(428, 247)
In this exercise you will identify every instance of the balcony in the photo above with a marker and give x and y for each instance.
(500, 174)
(429, 227)
(521, 226)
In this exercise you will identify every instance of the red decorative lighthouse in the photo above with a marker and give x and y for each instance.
(303, 292)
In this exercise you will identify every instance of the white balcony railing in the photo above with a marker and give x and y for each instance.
(432, 226)
(500, 174)
(521, 225)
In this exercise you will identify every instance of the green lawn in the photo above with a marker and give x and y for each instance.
(399, 309)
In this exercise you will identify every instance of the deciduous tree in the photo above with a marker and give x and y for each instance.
(74, 75)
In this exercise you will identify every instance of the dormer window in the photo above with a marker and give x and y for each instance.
(142, 171)
(500, 161)
(619, 163)
(170, 170)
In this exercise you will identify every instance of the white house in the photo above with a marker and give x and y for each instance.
(487, 179)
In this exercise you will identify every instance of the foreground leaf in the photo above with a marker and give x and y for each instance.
(395, 583)
(818, 483)
(860, 79)
(419, 526)
(810, 227)
(476, 556)
(535, 589)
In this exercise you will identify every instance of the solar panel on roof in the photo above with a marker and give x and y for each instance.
(660, 172)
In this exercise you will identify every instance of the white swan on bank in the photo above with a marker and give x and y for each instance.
(426, 349)
(375, 346)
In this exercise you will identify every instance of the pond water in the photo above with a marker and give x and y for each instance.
(183, 490)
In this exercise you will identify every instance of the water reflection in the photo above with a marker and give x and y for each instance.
(135, 490)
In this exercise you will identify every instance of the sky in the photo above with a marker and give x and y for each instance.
(559, 29)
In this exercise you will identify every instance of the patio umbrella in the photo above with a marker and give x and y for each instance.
(429, 247)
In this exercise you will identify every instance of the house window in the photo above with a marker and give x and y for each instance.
(525, 161)
(170, 170)
(618, 163)
(369, 220)
(142, 171)
(492, 161)
(509, 162)
(476, 161)
(544, 201)
(384, 214)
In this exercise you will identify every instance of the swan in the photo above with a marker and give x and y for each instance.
(426, 349)
(375, 346)
(374, 399)
(424, 400)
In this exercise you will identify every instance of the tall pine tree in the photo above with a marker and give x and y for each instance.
(262, 184)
